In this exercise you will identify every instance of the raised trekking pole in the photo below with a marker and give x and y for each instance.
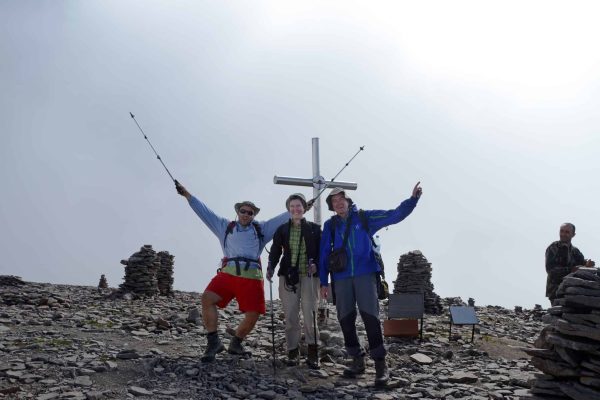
(152, 147)
(272, 323)
(314, 313)
(336, 175)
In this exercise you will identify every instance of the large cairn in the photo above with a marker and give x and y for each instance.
(165, 273)
(414, 276)
(568, 349)
(140, 273)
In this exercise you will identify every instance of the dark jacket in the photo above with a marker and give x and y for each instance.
(560, 260)
(311, 234)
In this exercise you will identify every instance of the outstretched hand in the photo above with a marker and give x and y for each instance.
(182, 190)
(417, 190)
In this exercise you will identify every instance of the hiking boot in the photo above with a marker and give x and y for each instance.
(312, 359)
(213, 348)
(357, 367)
(236, 347)
(381, 372)
(293, 357)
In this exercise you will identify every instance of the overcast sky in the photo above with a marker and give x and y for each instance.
(493, 106)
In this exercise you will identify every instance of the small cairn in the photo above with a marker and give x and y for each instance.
(165, 273)
(414, 276)
(103, 284)
(140, 273)
(568, 348)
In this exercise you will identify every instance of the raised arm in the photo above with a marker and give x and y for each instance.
(381, 218)
(270, 226)
(215, 223)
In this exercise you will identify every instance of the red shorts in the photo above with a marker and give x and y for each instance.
(250, 293)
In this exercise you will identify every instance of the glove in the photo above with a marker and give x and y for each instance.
(270, 273)
(180, 189)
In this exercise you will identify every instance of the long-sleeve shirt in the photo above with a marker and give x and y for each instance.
(243, 241)
(359, 247)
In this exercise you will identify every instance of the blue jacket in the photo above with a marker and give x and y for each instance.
(361, 257)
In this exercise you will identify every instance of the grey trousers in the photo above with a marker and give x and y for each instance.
(305, 298)
(360, 291)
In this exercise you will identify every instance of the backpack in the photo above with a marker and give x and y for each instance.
(256, 226)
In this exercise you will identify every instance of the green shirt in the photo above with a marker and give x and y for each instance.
(296, 246)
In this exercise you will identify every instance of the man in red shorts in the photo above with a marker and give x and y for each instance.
(240, 276)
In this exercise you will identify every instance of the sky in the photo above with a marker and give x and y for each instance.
(492, 106)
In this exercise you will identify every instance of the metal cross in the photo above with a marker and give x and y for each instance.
(317, 182)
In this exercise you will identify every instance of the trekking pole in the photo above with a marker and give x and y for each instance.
(272, 323)
(336, 175)
(314, 313)
(148, 140)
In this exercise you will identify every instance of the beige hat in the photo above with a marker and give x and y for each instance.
(296, 196)
(334, 191)
(248, 204)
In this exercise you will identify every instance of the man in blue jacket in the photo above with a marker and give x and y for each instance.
(240, 276)
(355, 283)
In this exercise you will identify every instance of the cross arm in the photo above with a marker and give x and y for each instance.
(287, 180)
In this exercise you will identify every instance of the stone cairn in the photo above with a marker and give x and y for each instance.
(165, 273)
(103, 284)
(140, 273)
(414, 276)
(568, 349)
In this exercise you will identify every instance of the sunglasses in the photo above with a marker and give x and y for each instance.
(247, 212)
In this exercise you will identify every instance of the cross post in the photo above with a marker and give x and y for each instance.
(317, 182)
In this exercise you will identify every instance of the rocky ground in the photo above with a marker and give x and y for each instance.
(75, 342)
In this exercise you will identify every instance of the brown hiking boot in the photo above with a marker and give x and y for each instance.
(236, 347)
(312, 359)
(381, 372)
(293, 357)
(357, 367)
(213, 348)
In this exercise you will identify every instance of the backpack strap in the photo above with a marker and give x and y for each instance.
(364, 220)
(346, 233)
(229, 230)
(256, 226)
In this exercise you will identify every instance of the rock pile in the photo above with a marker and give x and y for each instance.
(414, 276)
(165, 273)
(568, 349)
(103, 284)
(140, 273)
(86, 346)
(10, 280)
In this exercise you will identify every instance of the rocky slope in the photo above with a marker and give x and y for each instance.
(74, 342)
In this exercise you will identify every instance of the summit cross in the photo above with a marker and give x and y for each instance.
(317, 182)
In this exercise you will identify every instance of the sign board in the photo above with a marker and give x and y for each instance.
(462, 315)
(406, 305)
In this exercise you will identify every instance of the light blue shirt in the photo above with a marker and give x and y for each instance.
(243, 241)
